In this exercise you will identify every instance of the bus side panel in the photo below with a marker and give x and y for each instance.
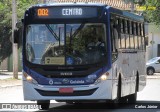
(137, 66)
(128, 64)
(141, 69)
(132, 70)
(120, 67)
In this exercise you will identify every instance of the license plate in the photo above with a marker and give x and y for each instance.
(65, 90)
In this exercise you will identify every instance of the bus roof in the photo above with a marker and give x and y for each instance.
(127, 14)
(133, 16)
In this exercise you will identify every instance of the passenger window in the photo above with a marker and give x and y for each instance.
(114, 37)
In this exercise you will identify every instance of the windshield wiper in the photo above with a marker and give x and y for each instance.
(77, 31)
(52, 32)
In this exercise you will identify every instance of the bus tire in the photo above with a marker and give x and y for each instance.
(120, 100)
(132, 98)
(44, 104)
(116, 101)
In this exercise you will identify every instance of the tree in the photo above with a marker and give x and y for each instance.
(6, 23)
(5, 29)
(133, 2)
(140, 2)
(22, 5)
(152, 15)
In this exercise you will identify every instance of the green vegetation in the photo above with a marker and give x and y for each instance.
(5, 29)
(6, 23)
(149, 15)
(140, 2)
(153, 15)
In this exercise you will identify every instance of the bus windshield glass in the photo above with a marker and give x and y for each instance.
(66, 44)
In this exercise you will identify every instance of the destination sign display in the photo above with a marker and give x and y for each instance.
(66, 12)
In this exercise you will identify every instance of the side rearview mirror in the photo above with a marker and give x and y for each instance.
(16, 36)
(17, 32)
(19, 24)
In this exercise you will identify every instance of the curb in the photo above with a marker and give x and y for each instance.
(153, 77)
(4, 87)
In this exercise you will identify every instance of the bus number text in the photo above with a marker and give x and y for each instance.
(42, 12)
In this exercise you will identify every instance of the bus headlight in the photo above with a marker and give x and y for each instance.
(102, 78)
(29, 78)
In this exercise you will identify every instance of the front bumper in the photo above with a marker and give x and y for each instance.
(100, 91)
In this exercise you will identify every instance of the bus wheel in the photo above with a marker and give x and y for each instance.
(44, 104)
(123, 100)
(132, 98)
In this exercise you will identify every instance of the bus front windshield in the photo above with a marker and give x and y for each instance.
(66, 44)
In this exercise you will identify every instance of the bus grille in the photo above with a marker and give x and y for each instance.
(75, 93)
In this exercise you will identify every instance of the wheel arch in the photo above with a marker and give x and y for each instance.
(151, 67)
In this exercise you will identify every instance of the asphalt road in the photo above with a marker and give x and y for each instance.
(149, 96)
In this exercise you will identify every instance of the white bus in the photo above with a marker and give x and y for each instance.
(66, 67)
